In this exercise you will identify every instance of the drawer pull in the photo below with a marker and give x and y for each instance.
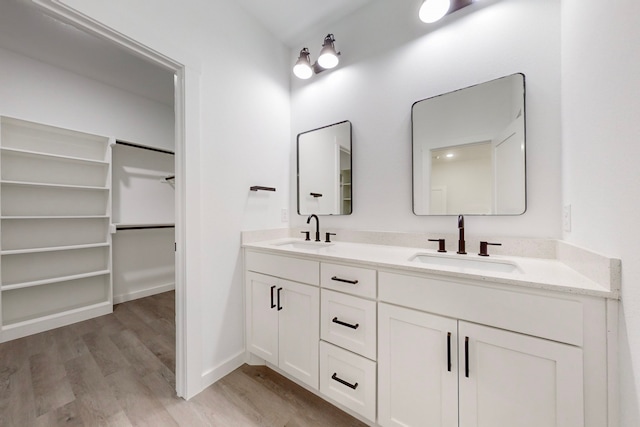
(337, 279)
(279, 306)
(341, 381)
(273, 305)
(348, 325)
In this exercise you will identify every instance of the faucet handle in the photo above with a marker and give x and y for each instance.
(328, 237)
(440, 244)
(483, 248)
(306, 235)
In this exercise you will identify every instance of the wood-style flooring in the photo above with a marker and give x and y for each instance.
(118, 370)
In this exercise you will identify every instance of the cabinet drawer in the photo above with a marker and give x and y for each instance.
(299, 270)
(555, 318)
(352, 280)
(348, 379)
(349, 322)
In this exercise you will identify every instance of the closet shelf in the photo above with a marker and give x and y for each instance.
(20, 217)
(106, 306)
(15, 286)
(53, 249)
(47, 185)
(53, 156)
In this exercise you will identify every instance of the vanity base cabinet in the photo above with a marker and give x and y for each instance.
(439, 371)
(283, 325)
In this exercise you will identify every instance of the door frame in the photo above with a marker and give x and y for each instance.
(188, 378)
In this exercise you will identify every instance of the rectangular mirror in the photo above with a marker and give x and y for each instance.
(324, 170)
(469, 150)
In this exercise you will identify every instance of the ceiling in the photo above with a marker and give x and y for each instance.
(289, 20)
(27, 30)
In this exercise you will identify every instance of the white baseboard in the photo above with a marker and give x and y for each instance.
(118, 299)
(223, 369)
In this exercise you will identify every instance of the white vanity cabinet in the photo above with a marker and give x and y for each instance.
(283, 315)
(399, 345)
(432, 368)
(458, 354)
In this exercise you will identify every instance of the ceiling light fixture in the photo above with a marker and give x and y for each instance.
(328, 59)
(433, 10)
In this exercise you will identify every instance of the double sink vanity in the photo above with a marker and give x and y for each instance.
(405, 336)
(398, 332)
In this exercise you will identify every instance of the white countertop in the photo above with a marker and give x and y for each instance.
(537, 273)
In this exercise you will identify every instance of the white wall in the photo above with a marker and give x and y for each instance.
(601, 135)
(390, 60)
(35, 91)
(238, 131)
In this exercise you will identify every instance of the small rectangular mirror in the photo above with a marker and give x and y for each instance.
(469, 150)
(324, 170)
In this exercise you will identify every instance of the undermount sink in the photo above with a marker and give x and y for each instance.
(462, 261)
(303, 244)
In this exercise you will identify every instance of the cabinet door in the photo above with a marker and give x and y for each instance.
(299, 335)
(417, 368)
(262, 316)
(517, 380)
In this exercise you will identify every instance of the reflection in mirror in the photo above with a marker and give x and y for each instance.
(324, 170)
(469, 150)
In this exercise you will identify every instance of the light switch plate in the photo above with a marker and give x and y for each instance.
(284, 215)
(566, 218)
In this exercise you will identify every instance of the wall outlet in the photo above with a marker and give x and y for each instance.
(566, 218)
(284, 215)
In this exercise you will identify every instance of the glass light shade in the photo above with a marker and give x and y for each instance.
(328, 57)
(433, 10)
(302, 69)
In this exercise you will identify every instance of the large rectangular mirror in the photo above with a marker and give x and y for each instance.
(469, 150)
(324, 170)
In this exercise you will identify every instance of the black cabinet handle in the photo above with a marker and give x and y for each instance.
(341, 381)
(273, 305)
(449, 351)
(466, 357)
(348, 325)
(279, 306)
(337, 279)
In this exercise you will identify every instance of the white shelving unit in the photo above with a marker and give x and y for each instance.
(55, 216)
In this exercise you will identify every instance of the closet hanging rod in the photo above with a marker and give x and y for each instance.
(144, 147)
(142, 227)
(259, 187)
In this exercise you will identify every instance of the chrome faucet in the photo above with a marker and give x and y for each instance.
(317, 225)
(461, 250)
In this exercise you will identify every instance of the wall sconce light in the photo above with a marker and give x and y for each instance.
(328, 59)
(433, 10)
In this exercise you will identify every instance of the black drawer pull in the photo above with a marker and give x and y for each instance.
(279, 306)
(341, 381)
(273, 305)
(348, 325)
(337, 279)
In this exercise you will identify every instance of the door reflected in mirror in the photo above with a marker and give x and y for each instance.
(324, 170)
(469, 150)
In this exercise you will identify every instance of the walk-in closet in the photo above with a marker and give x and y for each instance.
(87, 186)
